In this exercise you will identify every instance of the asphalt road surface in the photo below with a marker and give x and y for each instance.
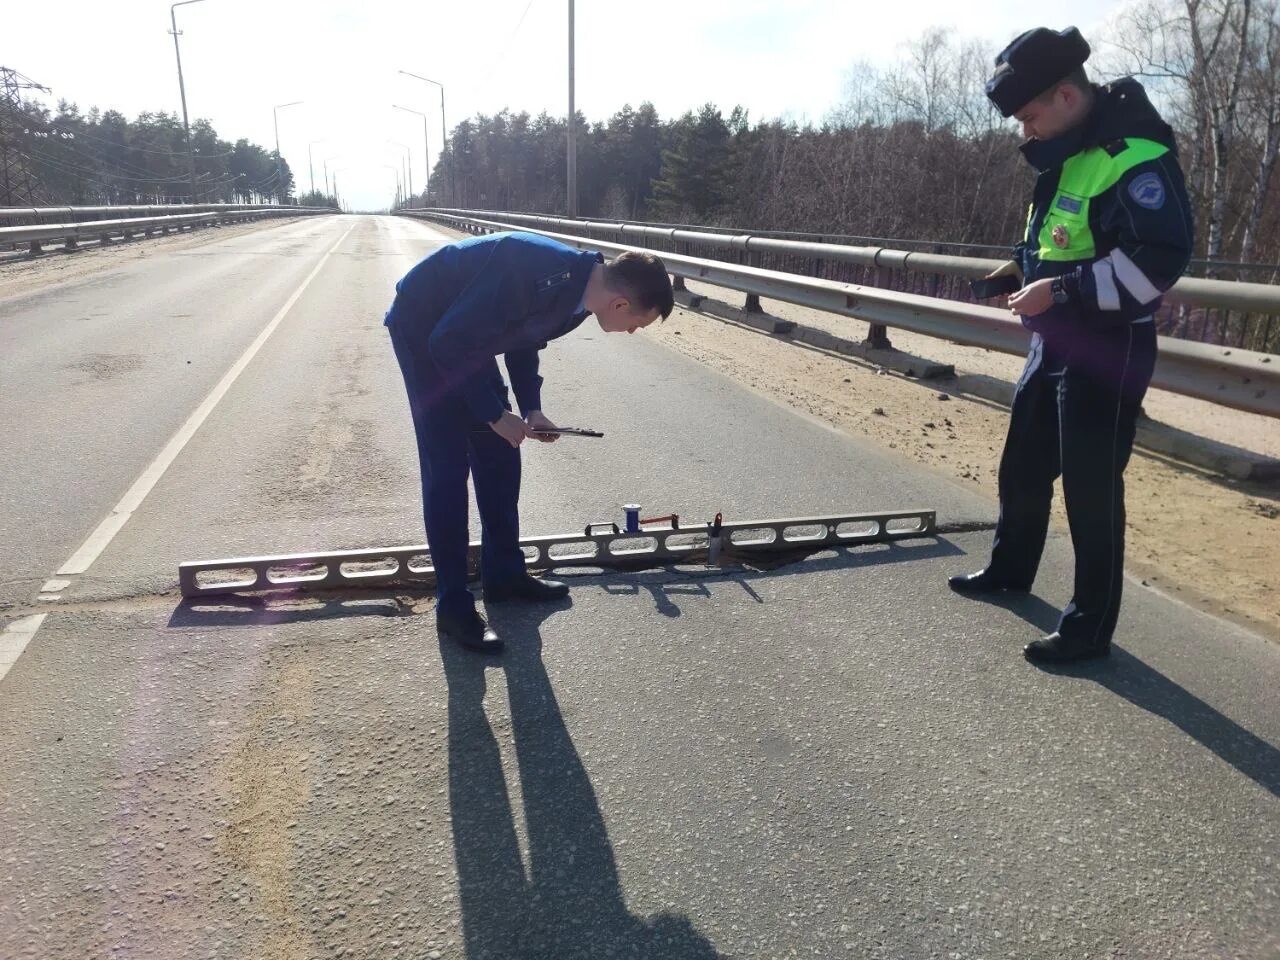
(836, 758)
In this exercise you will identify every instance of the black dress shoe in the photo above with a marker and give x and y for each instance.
(1055, 648)
(468, 630)
(527, 589)
(984, 582)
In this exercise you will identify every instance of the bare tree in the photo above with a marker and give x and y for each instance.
(1214, 31)
(1264, 119)
(1213, 80)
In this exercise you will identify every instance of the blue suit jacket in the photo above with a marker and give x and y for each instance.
(504, 293)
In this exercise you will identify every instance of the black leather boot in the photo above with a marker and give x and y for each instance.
(985, 582)
(1055, 648)
(468, 630)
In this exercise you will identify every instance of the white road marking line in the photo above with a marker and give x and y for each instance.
(17, 635)
(92, 548)
(15, 638)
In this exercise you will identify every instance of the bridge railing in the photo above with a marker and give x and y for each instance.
(34, 226)
(1243, 379)
(1226, 312)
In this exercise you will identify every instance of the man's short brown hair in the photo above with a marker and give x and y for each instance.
(1076, 78)
(643, 279)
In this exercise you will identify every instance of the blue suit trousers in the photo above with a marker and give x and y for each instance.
(451, 446)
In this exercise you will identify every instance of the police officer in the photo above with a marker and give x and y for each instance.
(453, 314)
(1109, 231)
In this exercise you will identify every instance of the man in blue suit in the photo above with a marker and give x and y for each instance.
(454, 313)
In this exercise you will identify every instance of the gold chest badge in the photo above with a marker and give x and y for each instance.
(1060, 237)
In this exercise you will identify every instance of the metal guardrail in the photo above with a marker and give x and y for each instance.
(1229, 313)
(65, 214)
(594, 547)
(1263, 272)
(1254, 297)
(108, 230)
(1243, 379)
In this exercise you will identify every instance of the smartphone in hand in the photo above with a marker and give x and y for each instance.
(988, 287)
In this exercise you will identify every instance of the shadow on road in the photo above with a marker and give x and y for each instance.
(1039, 613)
(562, 897)
(569, 902)
(666, 583)
(1144, 686)
(255, 610)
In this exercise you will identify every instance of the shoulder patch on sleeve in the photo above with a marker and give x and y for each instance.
(1147, 190)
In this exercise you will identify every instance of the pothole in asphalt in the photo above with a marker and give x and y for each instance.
(106, 366)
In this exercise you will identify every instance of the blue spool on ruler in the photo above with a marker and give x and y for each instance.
(632, 512)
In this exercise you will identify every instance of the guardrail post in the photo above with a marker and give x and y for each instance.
(34, 248)
(753, 299)
(878, 333)
(70, 245)
(105, 240)
(677, 284)
(878, 337)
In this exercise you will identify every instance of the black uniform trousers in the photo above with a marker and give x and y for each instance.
(1074, 414)
(452, 444)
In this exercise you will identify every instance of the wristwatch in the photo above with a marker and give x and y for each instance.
(1060, 294)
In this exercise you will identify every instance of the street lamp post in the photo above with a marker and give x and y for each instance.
(329, 191)
(426, 156)
(182, 92)
(275, 113)
(444, 134)
(407, 162)
(336, 198)
(395, 171)
(311, 167)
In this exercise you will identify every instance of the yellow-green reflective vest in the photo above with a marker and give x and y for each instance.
(1065, 234)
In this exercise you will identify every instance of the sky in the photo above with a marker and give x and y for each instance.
(341, 58)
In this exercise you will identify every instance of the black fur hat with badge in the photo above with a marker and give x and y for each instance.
(1033, 63)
